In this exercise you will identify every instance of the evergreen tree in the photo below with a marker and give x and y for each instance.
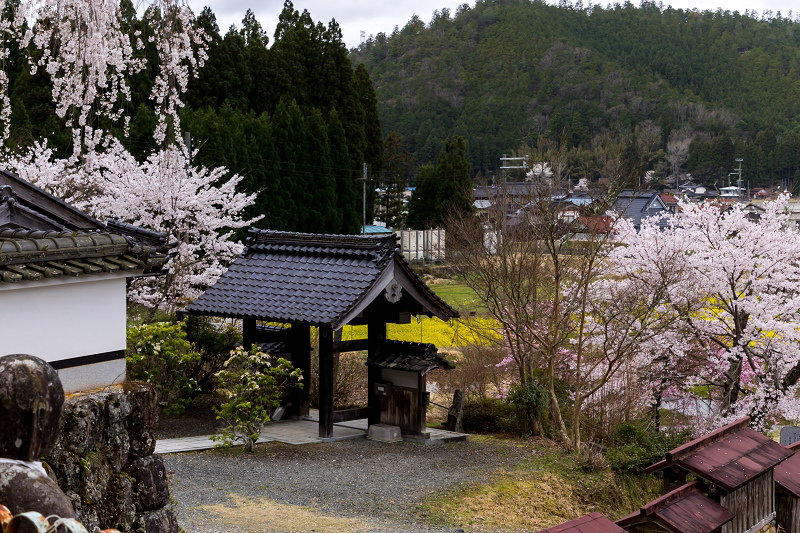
(345, 186)
(454, 196)
(422, 212)
(397, 160)
(374, 151)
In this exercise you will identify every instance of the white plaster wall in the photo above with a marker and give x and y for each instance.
(95, 376)
(54, 321)
(400, 378)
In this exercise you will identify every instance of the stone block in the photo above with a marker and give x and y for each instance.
(384, 433)
(159, 521)
(149, 478)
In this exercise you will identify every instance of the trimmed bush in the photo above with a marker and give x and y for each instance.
(489, 415)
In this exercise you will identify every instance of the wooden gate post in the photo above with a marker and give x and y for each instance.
(326, 379)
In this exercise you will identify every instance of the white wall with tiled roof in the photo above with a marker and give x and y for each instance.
(76, 324)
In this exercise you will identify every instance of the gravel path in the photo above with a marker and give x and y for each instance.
(355, 485)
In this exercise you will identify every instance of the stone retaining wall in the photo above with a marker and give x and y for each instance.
(104, 461)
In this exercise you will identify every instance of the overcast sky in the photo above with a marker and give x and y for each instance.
(375, 16)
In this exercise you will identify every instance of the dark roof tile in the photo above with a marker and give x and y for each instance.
(307, 278)
(409, 357)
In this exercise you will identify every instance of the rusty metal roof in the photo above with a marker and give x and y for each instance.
(319, 280)
(684, 510)
(729, 457)
(590, 523)
(409, 357)
(787, 474)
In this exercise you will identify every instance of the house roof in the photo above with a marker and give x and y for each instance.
(590, 523)
(668, 199)
(409, 357)
(787, 473)
(28, 198)
(638, 205)
(43, 237)
(684, 510)
(376, 230)
(321, 280)
(729, 457)
(34, 255)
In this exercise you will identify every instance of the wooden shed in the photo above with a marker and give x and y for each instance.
(326, 281)
(787, 491)
(734, 466)
(683, 510)
(590, 523)
(403, 367)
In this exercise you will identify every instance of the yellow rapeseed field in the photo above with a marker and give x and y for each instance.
(442, 334)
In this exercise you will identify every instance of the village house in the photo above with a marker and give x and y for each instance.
(638, 205)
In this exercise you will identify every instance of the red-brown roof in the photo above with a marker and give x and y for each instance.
(787, 474)
(598, 223)
(590, 523)
(684, 510)
(729, 457)
(668, 198)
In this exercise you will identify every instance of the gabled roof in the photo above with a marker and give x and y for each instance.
(63, 215)
(729, 457)
(409, 357)
(590, 523)
(684, 510)
(321, 280)
(787, 474)
(638, 205)
(44, 237)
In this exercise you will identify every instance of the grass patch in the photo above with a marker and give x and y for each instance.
(459, 296)
(544, 490)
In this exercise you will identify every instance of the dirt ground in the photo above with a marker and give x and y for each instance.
(358, 485)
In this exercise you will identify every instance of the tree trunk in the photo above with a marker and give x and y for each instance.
(555, 409)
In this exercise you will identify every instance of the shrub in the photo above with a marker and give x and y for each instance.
(489, 415)
(476, 371)
(213, 339)
(530, 402)
(159, 354)
(634, 447)
(252, 384)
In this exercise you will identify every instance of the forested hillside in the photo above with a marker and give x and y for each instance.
(702, 87)
(291, 114)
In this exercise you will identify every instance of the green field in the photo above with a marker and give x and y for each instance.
(459, 296)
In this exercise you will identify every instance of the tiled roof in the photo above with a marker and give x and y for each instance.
(729, 457)
(684, 510)
(409, 357)
(590, 523)
(33, 255)
(305, 278)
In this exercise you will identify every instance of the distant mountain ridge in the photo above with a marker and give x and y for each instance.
(503, 73)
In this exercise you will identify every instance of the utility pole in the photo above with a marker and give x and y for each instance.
(364, 201)
(504, 165)
(739, 180)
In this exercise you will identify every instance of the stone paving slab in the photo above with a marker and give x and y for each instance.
(295, 432)
(304, 431)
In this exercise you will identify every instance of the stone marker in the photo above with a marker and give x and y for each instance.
(31, 397)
